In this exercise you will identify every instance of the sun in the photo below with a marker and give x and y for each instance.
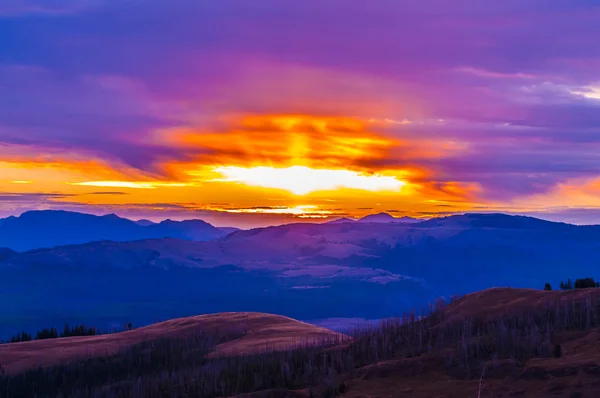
(302, 180)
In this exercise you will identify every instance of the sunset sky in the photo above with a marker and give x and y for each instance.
(249, 113)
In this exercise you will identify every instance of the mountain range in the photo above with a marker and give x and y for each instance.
(38, 229)
(388, 218)
(50, 228)
(377, 218)
(306, 271)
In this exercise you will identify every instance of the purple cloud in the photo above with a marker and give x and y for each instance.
(19, 8)
(514, 82)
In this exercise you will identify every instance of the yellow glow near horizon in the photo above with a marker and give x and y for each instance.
(130, 184)
(301, 180)
(303, 211)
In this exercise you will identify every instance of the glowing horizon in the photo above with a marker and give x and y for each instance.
(129, 184)
(301, 180)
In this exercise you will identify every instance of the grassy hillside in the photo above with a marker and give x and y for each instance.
(500, 342)
(231, 333)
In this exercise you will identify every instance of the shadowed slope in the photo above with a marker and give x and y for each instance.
(6, 253)
(496, 302)
(260, 332)
(572, 372)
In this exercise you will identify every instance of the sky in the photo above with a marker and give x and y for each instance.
(250, 113)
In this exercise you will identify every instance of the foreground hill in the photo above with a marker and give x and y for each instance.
(37, 229)
(531, 344)
(252, 333)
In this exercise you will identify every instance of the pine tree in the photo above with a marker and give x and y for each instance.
(547, 286)
(585, 283)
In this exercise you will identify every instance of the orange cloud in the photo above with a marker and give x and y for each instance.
(47, 165)
(305, 154)
(301, 140)
(293, 165)
(76, 169)
(286, 140)
(578, 192)
(131, 184)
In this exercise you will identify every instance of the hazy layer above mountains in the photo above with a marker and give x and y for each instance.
(377, 218)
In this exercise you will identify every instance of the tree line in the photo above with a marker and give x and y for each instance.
(52, 333)
(584, 283)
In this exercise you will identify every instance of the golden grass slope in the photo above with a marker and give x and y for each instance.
(265, 332)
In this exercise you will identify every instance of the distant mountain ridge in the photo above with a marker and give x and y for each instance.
(50, 228)
(340, 221)
(497, 220)
(334, 246)
(144, 222)
(308, 271)
(388, 218)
